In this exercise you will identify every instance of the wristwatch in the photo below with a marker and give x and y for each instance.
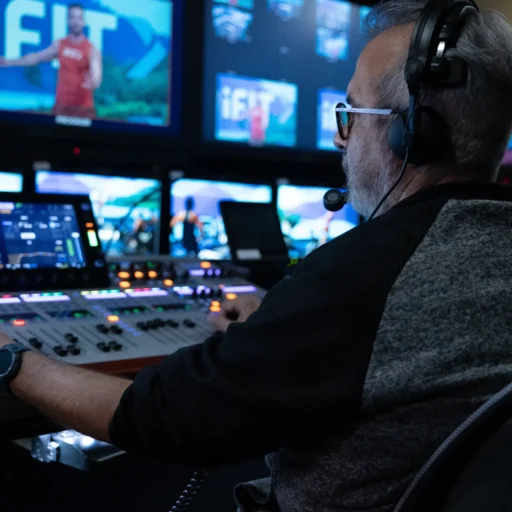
(10, 364)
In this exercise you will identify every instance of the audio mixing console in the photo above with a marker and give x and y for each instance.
(147, 309)
(121, 329)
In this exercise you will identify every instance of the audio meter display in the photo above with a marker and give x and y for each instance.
(36, 236)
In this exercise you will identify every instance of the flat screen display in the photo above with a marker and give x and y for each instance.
(11, 182)
(105, 64)
(197, 229)
(113, 198)
(305, 223)
(38, 236)
(507, 160)
(275, 69)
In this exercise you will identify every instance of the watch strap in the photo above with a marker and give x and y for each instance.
(16, 349)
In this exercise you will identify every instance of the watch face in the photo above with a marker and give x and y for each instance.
(6, 362)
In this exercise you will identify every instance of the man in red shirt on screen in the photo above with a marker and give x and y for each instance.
(258, 124)
(80, 71)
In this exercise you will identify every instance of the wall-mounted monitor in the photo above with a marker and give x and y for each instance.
(197, 229)
(275, 69)
(305, 223)
(127, 210)
(507, 160)
(11, 182)
(100, 64)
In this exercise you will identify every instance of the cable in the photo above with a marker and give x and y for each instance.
(402, 172)
(127, 216)
(190, 492)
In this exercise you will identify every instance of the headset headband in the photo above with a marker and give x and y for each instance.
(437, 30)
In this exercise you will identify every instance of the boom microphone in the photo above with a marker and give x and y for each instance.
(335, 200)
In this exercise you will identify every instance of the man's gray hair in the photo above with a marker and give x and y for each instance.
(479, 115)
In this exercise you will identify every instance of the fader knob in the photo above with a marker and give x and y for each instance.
(35, 343)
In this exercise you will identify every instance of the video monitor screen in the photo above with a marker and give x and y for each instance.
(305, 223)
(507, 160)
(115, 201)
(274, 70)
(197, 229)
(34, 236)
(11, 182)
(106, 64)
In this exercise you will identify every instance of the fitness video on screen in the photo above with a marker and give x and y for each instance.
(260, 112)
(112, 199)
(11, 182)
(326, 120)
(87, 60)
(197, 229)
(305, 223)
(286, 9)
(231, 20)
(333, 29)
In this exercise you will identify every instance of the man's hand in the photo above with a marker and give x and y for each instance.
(88, 82)
(237, 310)
(3, 62)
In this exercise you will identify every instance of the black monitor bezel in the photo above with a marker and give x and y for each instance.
(94, 275)
(229, 210)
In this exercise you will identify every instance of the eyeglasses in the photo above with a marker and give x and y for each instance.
(345, 117)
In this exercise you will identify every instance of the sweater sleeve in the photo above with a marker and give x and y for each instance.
(288, 376)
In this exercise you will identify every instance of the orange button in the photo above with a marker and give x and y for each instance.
(216, 304)
(152, 274)
(139, 274)
(231, 296)
(113, 318)
(89, 225)
(124, 275)
(125, 284)
(169, 282)
(206, 265)
(18, 323)
(215, 309)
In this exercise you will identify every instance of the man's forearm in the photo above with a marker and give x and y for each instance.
(28, 60)
(72, 397)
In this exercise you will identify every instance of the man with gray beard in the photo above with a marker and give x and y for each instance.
(353, 371)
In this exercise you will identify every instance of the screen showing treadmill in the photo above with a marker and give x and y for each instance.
(38, 236)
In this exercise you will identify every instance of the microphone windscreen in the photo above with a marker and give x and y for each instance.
(335, 200)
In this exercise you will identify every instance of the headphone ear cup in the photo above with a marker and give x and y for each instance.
(396, 137)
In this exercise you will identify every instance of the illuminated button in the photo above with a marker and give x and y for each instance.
(169, 282)
(124, 275)
(125, 284)
(152, 274)
(215, 309)
(206, 265)
(18, 323)
(89, 225)
(93, 239)
(113, 318)
(231, 296)
(216, 304)
(139, 275)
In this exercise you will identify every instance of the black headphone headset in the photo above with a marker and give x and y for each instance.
(421, 133)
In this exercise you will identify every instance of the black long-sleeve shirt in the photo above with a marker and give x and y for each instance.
(352, 371)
